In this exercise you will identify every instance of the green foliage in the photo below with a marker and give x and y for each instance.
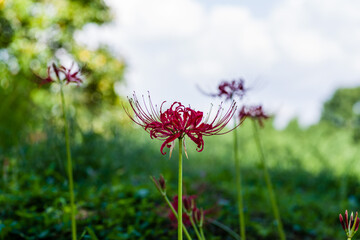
(309, 167)
(342, 107)
(33, 32)
(40, 211)
(343, 110)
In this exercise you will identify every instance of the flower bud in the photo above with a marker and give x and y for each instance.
(342, 221)
(354, 222)
(159, 184)
(199, 217)
(351, 225)
(162, 183)
(189, 204)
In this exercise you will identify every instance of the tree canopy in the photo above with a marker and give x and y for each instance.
(32, 34)
(343, 110)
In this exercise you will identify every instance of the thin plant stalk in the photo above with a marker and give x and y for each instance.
(225, 228)
(176, 215)
(239, 185)
(202, 233)
(195, 227)
(268, 183)
(69, 165)
(180, 224)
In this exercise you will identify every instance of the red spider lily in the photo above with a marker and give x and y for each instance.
(351, 225)
(62, 74)
(71, 77)
(190, 210)
(178, 121)
(254, 112)
(231, 89)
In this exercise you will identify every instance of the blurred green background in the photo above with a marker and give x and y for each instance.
(314, 169)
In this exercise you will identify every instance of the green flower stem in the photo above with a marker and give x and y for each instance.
(195, 227)
(69, 165)
(202, 233)
(268, 183)
(180, 224)
(239, 185)
(176, 215)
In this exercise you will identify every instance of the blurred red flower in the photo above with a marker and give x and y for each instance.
(229, 89)
(254, 112)
(62, 74)
(189, 205)
(71, 77)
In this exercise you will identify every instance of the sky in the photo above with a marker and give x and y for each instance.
(292, 54)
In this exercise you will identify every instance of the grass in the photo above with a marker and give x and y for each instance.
(313, 171)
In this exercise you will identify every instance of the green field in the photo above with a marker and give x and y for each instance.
(313, 170)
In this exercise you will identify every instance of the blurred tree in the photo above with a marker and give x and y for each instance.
(35, 32)
(343, 110)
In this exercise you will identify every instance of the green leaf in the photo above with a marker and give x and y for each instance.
(91, 233)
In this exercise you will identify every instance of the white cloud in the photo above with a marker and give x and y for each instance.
(307, 47)
(299, 52)
(158, 18)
